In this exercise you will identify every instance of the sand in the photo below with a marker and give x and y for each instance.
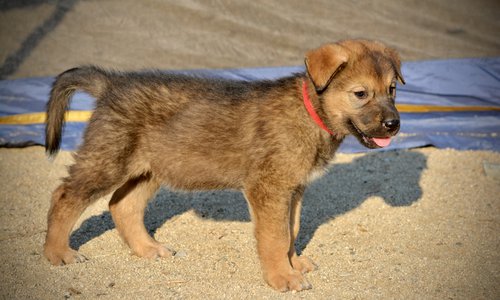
(415, 224)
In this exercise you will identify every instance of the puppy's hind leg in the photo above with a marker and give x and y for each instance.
(94, 174)
(64, 211)
(69, 200)
(127, 209)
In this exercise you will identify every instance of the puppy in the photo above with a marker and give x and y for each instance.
(265, 138)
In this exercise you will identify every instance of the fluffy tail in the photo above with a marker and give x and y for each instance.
(89, 79)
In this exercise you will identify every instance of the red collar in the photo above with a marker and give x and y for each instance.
(310, 108)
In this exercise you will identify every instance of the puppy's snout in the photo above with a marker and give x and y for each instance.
(391, 124)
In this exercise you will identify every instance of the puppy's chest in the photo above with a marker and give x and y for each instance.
(324, 157)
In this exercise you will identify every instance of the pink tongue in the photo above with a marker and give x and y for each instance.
(382, 142)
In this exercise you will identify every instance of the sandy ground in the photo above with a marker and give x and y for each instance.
(403, 224)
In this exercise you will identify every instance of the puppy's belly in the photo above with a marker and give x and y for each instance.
(198, 173)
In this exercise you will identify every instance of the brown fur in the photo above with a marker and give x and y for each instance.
(195, 134)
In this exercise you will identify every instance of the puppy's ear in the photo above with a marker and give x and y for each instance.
(396, 63)
(324, 63)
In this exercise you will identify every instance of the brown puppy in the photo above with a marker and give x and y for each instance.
(266, 138)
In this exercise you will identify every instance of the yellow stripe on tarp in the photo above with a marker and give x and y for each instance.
(412, 108)
(84, 115)
(39, 117)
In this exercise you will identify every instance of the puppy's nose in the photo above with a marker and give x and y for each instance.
(391, 124)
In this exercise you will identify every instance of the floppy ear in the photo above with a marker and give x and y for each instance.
(396, 63)
(324, 63)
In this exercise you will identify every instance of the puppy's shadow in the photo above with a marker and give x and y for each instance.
(394, 176)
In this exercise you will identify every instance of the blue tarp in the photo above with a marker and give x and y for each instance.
(455, 83)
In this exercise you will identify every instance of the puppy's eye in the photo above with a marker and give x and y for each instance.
(361, 94)
(392, 90)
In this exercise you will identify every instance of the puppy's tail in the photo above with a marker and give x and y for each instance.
(89, 79)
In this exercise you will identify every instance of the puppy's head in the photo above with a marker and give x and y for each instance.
(355, 81)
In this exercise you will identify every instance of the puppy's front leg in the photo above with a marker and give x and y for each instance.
(300, 263)
(270, 207)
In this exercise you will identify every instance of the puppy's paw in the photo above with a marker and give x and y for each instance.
(293, 281)
(303, 264)
(59, 257)
(153, 251)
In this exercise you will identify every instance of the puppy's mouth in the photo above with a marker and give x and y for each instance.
(369, 141)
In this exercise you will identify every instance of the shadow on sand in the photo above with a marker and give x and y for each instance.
(393, 176)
